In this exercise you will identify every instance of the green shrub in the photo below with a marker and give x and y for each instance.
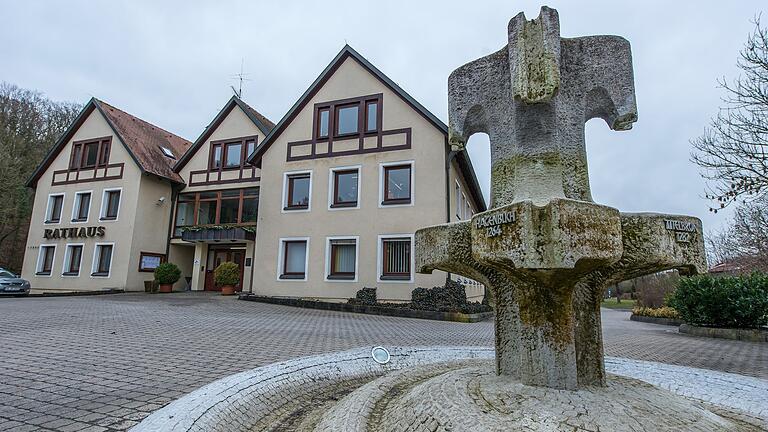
(662, 312)
(740, 302)
(227, 273)
(167, 274)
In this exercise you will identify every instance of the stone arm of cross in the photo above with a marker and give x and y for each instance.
(475, 92)
(599, 69)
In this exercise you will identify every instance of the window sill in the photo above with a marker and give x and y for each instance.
(79, 220)
(108, 218)
(306, 207)
(293, 276)
(52, 221)
(345, 205)
(395, 278)
(341, 277)
(43, 273)
(347, 135)
(396, 202)
(100, 274)
(71, 274)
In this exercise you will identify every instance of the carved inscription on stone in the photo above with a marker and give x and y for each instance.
(492, 223)
(683, 230)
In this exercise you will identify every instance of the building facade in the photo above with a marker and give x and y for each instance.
(317, 206)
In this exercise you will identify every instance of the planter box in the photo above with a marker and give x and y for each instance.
(751, 335)
(654, 320)
(371, 310)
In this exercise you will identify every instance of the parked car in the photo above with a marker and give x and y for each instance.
(11, 284)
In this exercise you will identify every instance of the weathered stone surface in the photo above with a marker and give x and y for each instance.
(533, 97)
(552, 247)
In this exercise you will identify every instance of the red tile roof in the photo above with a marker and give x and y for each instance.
(144, 141)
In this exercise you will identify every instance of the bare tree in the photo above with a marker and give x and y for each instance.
(29, 126)
(744, 242)
(732, 150)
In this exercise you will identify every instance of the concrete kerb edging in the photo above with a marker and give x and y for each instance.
(749, 335)
(237, 402)
(655, 320)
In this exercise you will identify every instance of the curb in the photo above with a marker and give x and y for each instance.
(654, 320)
(73, 293)
(371, 310)
(749, 335)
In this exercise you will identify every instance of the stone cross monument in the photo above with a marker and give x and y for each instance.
(545, 249)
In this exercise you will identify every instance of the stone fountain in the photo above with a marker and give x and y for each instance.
(546, 250)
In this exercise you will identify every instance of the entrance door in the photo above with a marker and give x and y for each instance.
(218, 256)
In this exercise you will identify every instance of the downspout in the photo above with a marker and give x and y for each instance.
(174, 193)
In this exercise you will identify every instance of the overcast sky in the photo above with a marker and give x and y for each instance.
(171, 63)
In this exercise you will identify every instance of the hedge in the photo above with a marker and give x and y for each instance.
(731, 301)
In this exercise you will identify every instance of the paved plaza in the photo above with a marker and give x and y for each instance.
(103, 363)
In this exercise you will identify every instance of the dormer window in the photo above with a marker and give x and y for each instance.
(231, 154)
(89, 154)
(348, 117)
(167, 152)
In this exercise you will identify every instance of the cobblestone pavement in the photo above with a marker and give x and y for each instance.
(103, 363)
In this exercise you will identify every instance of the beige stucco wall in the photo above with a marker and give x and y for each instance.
(150, 227)
(120, 231)
(367, 222)
(183, 255)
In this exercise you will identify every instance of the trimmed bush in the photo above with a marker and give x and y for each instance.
(227, 273)
(732, 302)
(448, 298)
(366, 296)
(167, 274)
(662, 312)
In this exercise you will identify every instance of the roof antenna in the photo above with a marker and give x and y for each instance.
(240, 77)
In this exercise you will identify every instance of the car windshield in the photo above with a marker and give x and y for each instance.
(6, 274)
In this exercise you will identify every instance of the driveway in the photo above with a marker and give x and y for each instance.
(103, 363)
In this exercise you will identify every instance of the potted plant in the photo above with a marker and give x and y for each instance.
(226, 276)
(167, 274)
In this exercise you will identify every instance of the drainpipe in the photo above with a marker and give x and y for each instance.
(174, 193)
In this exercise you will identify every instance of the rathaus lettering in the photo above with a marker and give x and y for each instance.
(64, 233)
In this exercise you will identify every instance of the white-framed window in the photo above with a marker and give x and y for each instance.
(467, 208)
(293, 256)
(81, 209)
(103, 254)
(46, 255)
(110, 204)
(396, 188)
(459, 206)
(297, 191)
(395, 258)
(55, 208)
(341, 258)
(344, 187)
(73, 259)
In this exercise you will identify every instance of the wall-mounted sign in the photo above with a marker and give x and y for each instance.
(71, 233)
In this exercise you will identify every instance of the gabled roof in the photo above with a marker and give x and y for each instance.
(261, 122)
(463, 160)
(142, 140)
